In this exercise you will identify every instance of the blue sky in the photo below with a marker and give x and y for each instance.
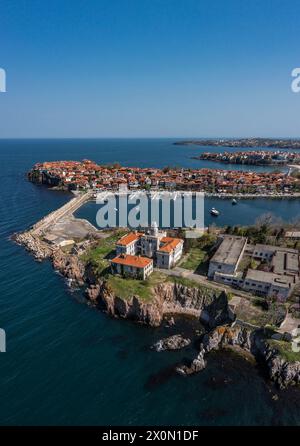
(149, 68)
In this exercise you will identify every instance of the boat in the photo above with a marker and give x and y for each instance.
(234, 201)
(214, 212)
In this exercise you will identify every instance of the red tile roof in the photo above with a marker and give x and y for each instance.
(169, 244)
(129, 238)
(136, 261)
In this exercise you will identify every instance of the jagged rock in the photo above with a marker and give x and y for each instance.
(225, 335)
(171, 322)
(92, 293)
(134, 308)
(174, 342)
(33, 244)
(69, 266)
(168, 298)
(281, 371)
(196, 365)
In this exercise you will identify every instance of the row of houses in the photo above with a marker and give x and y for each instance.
(276, 279)
(87, 174)
(254, 157)
(138, 252)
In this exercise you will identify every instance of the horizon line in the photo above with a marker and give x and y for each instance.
(188, 138)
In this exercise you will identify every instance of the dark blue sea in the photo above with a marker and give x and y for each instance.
(68, 364)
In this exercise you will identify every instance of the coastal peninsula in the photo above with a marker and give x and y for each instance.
(276, 143)
(252, 158)
(86, 175)
(241, 284)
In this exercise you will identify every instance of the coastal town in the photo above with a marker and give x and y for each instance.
(241, 283)
(262, 143)
(87, 175)
(252, 157)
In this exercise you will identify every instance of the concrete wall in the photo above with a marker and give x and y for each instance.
(220, 268)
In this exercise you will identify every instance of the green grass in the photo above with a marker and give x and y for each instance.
(189, 283)
(193, 259)
(127, 287)
(285, 350)
(99, 255)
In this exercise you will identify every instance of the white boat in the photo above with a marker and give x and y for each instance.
(214, 212)
(234, 201)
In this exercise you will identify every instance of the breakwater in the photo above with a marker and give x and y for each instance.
(65, 210)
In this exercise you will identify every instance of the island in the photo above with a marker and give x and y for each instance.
(239, 285)
(277, 143)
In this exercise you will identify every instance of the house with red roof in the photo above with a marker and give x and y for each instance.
(133, 266)
(155, 245)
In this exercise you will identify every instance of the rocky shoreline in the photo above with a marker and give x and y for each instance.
(254, 342)
(169, 299)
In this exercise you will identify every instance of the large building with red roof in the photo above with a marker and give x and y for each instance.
(135, 249)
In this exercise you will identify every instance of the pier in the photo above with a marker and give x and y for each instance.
(66, 210)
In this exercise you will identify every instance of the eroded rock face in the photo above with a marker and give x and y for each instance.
(69, 266)
(196, 365)
(168, 298)
(225, 335)
(204, 303)
(282, 372)
(134, 308)
(174, 342)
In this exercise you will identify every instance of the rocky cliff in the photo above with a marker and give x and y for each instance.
(69, 266)
(168, 298)
(281, 371)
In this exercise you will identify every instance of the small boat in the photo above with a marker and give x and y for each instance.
(234, 201)
(214, 212)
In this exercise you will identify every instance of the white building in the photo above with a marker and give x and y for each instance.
(151, 241)
(129, 243)
(169, 252)
(166, 251)
(267, 283)
(282, 266)
(227, 257)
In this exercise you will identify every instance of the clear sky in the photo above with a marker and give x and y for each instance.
(149, 68)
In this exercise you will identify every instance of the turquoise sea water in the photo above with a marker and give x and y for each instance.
(69, 364)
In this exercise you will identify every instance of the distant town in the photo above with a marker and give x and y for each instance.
(87, 175)
(254, 157)
(281, 143)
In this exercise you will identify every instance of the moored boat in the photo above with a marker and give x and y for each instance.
(214, 212)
